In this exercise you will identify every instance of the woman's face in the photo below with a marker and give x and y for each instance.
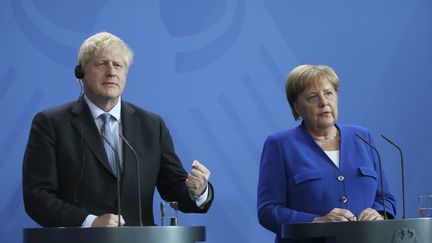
(318, 106)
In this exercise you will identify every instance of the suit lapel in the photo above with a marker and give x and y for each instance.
(83, 122)
(131, 128)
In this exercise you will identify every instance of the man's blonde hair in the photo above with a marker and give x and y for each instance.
(101, 42)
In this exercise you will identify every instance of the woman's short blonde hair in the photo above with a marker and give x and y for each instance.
(302, 77)
(101, 42)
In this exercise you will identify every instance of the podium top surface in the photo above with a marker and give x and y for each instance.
(145, 234)
(400, 230)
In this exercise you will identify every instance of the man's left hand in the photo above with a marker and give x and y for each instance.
(197, 179)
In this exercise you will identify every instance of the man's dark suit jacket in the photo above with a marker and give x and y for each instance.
(66, 174)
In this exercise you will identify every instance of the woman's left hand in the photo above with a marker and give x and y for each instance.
(370, 214)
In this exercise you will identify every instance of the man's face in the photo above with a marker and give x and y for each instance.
(105, 77)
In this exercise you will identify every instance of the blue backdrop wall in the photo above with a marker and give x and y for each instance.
(215, 70)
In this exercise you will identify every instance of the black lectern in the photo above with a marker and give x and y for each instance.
(416, 230)
(147, 234)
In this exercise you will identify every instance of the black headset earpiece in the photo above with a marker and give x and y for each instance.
(79, 73)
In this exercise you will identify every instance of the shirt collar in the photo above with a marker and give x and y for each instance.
(96, 111)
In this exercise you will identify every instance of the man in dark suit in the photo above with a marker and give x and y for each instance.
(78, 153)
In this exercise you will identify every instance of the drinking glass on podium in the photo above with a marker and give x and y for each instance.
(169, 213)
(425, 206)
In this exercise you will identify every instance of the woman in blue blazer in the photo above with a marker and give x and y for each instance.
(319, 171)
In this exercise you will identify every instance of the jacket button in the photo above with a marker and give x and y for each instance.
(341, 178)
(343, 199)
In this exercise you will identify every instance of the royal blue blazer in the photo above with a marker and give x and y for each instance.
(298, 181)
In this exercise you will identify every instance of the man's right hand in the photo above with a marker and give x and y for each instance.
(108, 220)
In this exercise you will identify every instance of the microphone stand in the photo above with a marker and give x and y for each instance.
(381, 174)
(403, 173)
(138, 175)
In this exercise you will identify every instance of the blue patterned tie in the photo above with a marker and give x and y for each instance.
(111, 144)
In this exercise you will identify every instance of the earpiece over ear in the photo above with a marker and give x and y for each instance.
(79, 72)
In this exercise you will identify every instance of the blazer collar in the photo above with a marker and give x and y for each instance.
(311, 142)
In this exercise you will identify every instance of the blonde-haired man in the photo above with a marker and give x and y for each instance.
(79, 152)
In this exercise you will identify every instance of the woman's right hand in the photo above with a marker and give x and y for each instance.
(336, 215)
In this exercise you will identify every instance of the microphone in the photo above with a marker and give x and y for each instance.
(118, 178)
(138, 174)
(381, 174)
(402, 171)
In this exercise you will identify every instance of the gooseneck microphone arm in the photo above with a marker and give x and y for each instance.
(381, 173)
(117, 177)
(138, 175)
(402, 172)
